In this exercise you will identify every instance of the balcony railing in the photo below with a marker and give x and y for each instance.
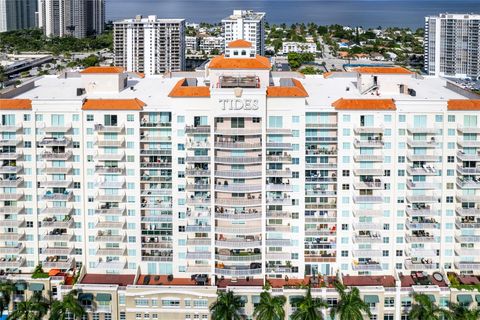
(468, 156)
(466, 239)
(468, 211)
(238, 272)
(373, 266)
(11, 169)
(237, 145)
(10, 155)
(15, 182)
(370, 143)
(432, 143)
(238, 230)
(197, 129)
(237, 174)
(411, 265)
(239, 160)
(467, 265)
(100, 128)
(241, 243)
(468, 170)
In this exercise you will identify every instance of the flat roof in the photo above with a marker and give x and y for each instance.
(162, 280)
(368, 281)
(112, 279)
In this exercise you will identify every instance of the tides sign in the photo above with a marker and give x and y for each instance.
(239, 104)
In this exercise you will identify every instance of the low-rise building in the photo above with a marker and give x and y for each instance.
(299, 47)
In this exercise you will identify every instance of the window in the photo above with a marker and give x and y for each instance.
(238, 123)
(451, 118)
(345, 186)
(450, 159)
(90, 117)
(389, 302)
(346, 173)
(275, 122)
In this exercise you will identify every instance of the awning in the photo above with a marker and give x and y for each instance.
(85, 296)
(371, 299)
(54, 272)
(477, 298)
(36, 287)
(294, 299)
(104, 297)
(20, 286)
(431, 297)
(255, 299)
(465, 298)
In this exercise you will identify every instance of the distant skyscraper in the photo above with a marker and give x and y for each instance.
(150, 45)
(17, 14)
(452, 45)
(77, 18)
(247, 25)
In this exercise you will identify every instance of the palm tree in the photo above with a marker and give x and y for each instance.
(350, 305)
(270, 307)
(426, 309)
(60, 309)
(309, 308)
(226, 307)
(6, 289)
(32, 309)
(460, 312)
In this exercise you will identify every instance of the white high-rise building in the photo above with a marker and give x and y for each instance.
(150, 45)
(16, 15)
(77, 18)
(238, 175)
(452, 45)
(247, 25)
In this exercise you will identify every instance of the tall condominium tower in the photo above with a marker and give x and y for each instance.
(236, 176)
(247, 25)
(150, 45)
(452, 45)
(17, 14)
(77, 18)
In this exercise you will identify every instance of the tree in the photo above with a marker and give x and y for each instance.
(426, 309)
(270, 307)
(309, 308)
(6, 290)
(309, 70)
(350, 305)
(61, 309)
(90, 61)
(32, 309)
(3, 76)
(460, 312)
(226, 307)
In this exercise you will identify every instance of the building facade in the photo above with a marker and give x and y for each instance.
(247, 25)
(452, 45)
(238, 175)
(76, 18)
(211, 44)
(17, 14)
(150, 45)
(299, 47)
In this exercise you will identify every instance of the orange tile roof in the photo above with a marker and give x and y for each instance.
(181, 91)
(459, 105)
(15, 104)
(383, 70)
(296, 91)
(103, 70)
(240, 43)
(140, 74)
(259, 62)
(113, 104)
(364, 104)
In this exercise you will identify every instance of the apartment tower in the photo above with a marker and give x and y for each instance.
(247, 25)
(17, 14)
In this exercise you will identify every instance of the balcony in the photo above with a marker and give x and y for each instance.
(424, 157)
(237, 145)
(238, 201)
(367, 213)
(278, 256)
(468, 156)
(468, 183)
(156, 152)
(198, 269)
(237, 174)
(468, 239)
(367, 253)
(57, 251)
(231, 272)
(110, 225)
(286, 201)
(425, 130)
(367, 266)
(13, 182)
(198, 172)
(368, 158)
(107, 236)
(11, 196)
(468, 265)
(199, 255)
(423, 224)
(279, 242)
(55, 262)
(111, 252)
(198, 228)
(368, 172)
(10, 142)
(367, 237)
(110, 198)
(424, 199)
(10, 155)
(367, 129)
(52, 222)
(13, 249)
(238, 160)
(106, 210)
(111, 264)
(199, 242)
(468, 211)
(238, 216)
(420, 237)
(248, 242)
(239, 188)
(279, 173)
(371, 185)
(54, 142)
(11, 127)
(197, 129)
(11, 236)
(239, 131)
(11, 168)
(420, 253)
(464, 129)
(111, 184)
(57, 235)
(12, 262)
(198, 159)
(57, 128)
(119, 143)
(467, 198)
(238, 230)
(100, 128)
(370, 143)
(239, 82)
(423, 185)
(468, 170)
(57, 155)
(282, 131)
(110, 156)
(421, 211)
(368, 199)
(56, 184)
(426, 170)
(50, 196)
(280, 145)
(420, 264)
(279, 158)
(432, 143)
(109, 170)
(58, 170)
(469, 143)
(367, 226)
(12, 209)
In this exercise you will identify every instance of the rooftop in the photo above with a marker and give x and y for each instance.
(460, 105)
(383, 70)
(103, 70)
(368, 281)
(240, 43)
(158, 280)
(113, 104)
(364, 104)
(112, 279)
(15, 104)
(258, 62)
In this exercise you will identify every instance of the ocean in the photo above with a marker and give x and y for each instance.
(365, 13)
